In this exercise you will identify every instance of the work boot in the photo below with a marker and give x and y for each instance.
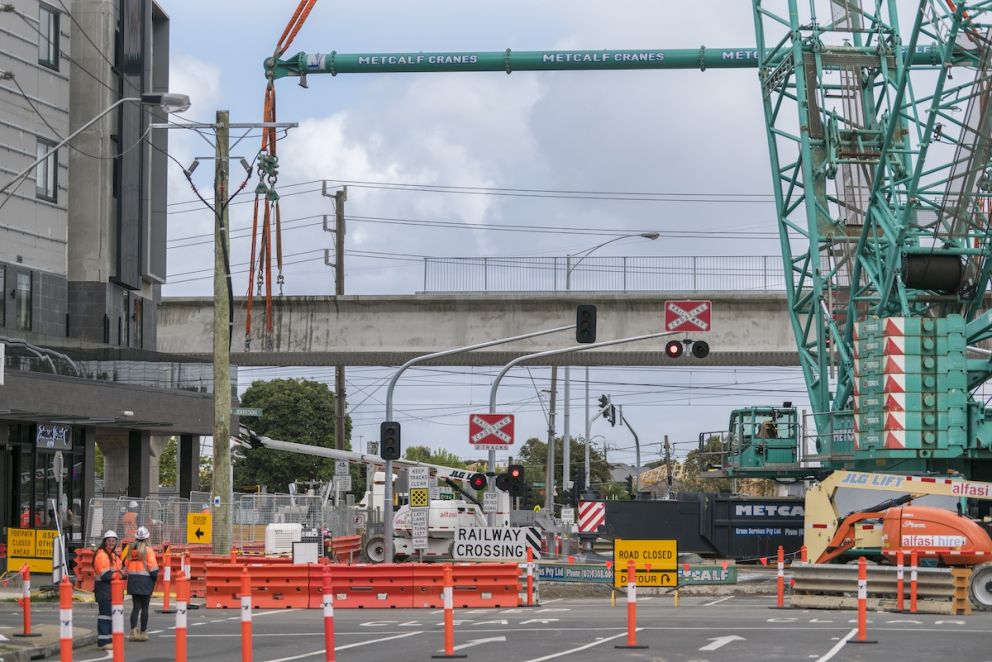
(142, 636)
(135, 634)
(106, 647)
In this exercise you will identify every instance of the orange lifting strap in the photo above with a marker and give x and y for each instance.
(261, 246)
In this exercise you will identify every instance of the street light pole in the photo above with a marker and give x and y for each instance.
(637, 451)
(564, 350)
(566, 450)
(170, 103)
(387, 497)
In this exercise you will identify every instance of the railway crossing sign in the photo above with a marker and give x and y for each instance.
(655, 562)
(490, 431)
(688, 315)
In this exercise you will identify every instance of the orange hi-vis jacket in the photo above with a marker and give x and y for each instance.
(105, 564)
(142, 571)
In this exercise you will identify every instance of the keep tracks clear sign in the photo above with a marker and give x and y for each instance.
(491, 543)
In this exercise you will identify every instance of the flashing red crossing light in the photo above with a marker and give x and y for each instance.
(477, 481)
(674, 349)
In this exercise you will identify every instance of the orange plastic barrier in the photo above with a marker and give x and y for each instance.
(346, 549)
(477, 585)
(273, 585)
(277, 583)
(83, 568)
(366, 586)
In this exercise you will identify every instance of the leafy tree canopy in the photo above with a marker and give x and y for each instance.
(295, 410)
(439, 456)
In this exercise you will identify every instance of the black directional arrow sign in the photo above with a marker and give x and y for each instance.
(199, 533)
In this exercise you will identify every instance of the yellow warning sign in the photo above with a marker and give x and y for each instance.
(199, 528)
(30, 546)
(655, 562)
(420, 497)
(20, 542)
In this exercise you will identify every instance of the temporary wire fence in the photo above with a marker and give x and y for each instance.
(704, 273)
(166, 518)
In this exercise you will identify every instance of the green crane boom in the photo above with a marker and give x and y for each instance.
(508, 61)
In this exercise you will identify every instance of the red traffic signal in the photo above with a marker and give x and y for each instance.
(477, 481)
(674, 349)
(516, 471)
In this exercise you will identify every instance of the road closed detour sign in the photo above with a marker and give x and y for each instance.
(655, 562)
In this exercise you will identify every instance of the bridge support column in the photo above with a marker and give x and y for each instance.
(189, 464)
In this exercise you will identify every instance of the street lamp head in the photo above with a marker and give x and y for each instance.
(170, 103)
(650, 235)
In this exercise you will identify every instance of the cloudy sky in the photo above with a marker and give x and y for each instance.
(696, 136)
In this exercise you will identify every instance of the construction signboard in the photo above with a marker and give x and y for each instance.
(32, 547)
(655, 562)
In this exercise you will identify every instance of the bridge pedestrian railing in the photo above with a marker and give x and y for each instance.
(701, 273)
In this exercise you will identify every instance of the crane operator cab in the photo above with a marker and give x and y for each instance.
(760, 436)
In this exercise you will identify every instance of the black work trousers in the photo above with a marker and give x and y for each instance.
(140, 607)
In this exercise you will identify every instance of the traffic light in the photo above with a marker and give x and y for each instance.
(578, 486)
(503, 482)
(606, 410)
(585, 323)
(604, 402)
(674, 349)
(630, 486)
(478, 481)
(612, 416)
(700, 349)
(389, 437)
(517, 487)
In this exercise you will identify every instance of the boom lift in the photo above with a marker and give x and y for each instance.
(444, 515)
(952, 538)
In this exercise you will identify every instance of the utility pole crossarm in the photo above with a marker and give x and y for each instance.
(508, 61)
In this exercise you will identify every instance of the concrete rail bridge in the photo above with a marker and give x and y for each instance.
(748, 328)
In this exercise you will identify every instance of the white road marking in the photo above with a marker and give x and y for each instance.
(106, 656)
(476, 642)
(720, 642)
(840, 644)
(341, 648)
(716, 602)
(580, 648)
(547, 602)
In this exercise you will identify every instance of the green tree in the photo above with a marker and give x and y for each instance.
(439, 456)
(296, 410)
(167, 463)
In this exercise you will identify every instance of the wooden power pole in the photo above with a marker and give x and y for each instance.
(339, 383)
(220, 487)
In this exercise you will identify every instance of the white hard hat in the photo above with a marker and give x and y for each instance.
(132, 504)
(142, 534)
(110, 533)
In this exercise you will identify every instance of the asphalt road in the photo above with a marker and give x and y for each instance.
(700, 630)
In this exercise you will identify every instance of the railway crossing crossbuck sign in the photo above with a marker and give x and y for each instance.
(688, 315)
(490, 431)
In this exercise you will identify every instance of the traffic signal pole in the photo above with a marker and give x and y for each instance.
(387, 498)
(555, 352)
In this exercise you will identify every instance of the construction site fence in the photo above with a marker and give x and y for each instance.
(166, 517)
(829, 586)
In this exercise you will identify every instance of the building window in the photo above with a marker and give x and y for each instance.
(22, 301)
(46, 173)
(48, 37)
